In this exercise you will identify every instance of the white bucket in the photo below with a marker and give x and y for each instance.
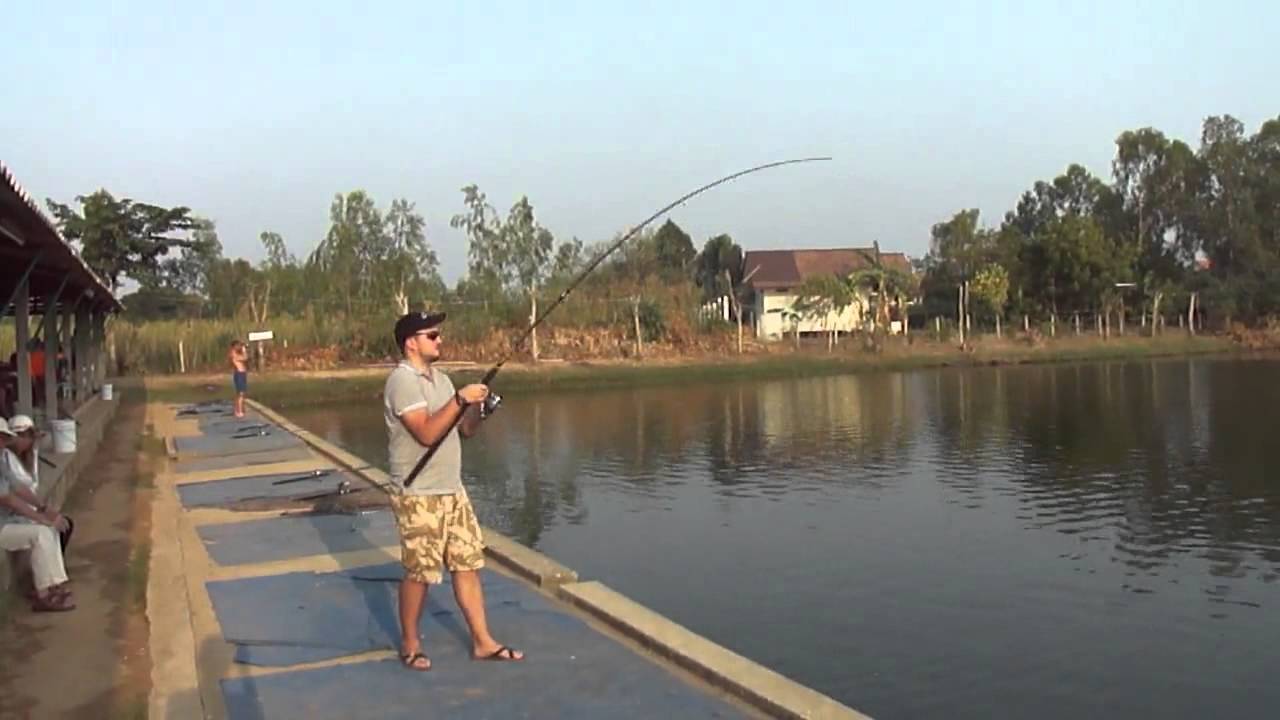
(106, 391)
(64, 436)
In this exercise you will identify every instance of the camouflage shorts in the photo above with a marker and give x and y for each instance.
(437, 531)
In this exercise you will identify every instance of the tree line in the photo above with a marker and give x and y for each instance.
(372, 262)
(1173, 227)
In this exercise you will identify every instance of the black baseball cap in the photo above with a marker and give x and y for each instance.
(415, 321)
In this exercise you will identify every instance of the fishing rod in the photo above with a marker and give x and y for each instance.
(493, 371)
(318, 474)
(251, 433)
(313, 475)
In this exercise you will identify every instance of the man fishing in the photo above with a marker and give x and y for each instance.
(424, 417)
(438, 527)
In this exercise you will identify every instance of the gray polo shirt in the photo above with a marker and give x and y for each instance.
(408, 389)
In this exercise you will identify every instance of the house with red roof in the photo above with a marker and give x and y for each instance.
(772, 277)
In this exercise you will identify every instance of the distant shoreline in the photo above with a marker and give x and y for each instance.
(310, 387)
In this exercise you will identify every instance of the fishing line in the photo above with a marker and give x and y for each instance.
(524, 336)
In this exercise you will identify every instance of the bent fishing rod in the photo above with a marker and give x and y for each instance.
(528, 332)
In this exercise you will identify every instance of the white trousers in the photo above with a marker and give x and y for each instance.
(46, 551)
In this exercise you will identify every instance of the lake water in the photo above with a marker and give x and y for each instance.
(1068, 541)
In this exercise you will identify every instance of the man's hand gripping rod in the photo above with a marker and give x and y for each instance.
(493, 371)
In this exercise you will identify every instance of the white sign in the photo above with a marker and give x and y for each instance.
(264, 335)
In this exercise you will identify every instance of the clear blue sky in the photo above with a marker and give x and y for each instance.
(602, 112)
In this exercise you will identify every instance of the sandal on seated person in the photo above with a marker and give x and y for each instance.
(53, 602)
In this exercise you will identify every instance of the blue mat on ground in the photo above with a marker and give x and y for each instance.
(282, 538)
(212, 407)
(226, 462)
(293, 618)
(222, 492)
(572, 671)
(215, 425)
(217, 445)
(590, 686)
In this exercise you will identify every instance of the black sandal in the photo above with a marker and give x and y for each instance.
(411, 661)
(503, 654)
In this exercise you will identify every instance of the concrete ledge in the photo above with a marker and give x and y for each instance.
(529, 564)
(754, 683)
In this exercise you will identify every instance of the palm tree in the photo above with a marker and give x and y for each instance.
(881, 282)
(820, 297)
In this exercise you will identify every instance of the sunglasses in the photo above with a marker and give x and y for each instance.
(431, 334)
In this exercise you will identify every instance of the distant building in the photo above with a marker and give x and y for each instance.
(774, 275)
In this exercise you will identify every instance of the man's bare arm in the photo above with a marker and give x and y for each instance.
(430, 428)
(25, 494)
(26, 510)
(470, 424)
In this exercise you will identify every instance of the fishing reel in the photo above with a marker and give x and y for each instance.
(490, 405)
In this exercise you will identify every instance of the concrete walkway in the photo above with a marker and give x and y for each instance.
(262, 608)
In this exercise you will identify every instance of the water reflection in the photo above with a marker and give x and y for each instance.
(1163, 458)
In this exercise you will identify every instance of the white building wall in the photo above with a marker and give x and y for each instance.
(772, 323)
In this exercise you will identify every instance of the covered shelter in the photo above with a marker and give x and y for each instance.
(58, 361)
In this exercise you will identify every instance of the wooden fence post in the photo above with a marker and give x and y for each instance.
(635, 315)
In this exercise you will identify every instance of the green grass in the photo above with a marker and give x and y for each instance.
(321, 339)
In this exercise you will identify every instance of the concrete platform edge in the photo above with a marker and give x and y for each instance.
(175, 682)
(751, 682)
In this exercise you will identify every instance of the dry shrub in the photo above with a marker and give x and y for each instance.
(1265, 337)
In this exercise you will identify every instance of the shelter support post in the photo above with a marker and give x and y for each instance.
(22, 332)
(81, 382)
(68, 382)
(51, 339)
(99, 349)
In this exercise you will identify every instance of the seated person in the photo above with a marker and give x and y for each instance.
(22, 463)
(26, 524)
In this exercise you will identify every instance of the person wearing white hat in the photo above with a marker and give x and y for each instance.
(22, 462)
(40, 535)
